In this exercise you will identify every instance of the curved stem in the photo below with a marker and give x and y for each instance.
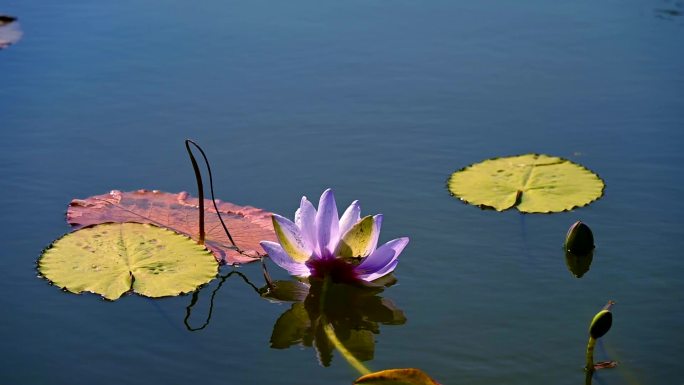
(200, 190)
(590, 355)
(267, 277)
(198, 176)
(330, 333)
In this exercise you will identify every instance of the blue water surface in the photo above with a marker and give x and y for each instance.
(380, 100)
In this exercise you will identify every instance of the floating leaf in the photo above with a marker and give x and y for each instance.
(178, 212)
(409, 376)
(10, 32)
(112, 259)
(532, 183)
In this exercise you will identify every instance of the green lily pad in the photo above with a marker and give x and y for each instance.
(114, 258)
(532, 183)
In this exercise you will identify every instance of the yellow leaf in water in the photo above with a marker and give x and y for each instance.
(532, 183)
(114, 258)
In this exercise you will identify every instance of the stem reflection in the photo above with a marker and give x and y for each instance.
(195, 297)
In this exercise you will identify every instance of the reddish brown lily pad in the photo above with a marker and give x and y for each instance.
(605, 365)
(178, 212)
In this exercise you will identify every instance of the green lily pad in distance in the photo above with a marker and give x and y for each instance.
(532, 183)
(114, 258)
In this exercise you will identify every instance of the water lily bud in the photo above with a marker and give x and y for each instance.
(601, 324)
(579, 240)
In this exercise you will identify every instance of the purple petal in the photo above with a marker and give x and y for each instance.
(327, 224)
(305, 219)
(291, 239)
(382, 272)
(382, 257)
(282, 259)
(351, 216)
(377, 225)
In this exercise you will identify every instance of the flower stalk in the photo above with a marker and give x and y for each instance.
(599, 326)
(200, 194)
(589, 367)
(200, 190)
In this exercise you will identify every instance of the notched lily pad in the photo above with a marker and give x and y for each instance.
(532, 183)
(114, 258)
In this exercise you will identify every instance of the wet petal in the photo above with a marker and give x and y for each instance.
(360, 240)
(282, 259)
(290, 239)
(327, 224)
(351, 215)
(305, 218)
(382, 257)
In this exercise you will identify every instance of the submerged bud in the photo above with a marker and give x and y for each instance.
(579, 240)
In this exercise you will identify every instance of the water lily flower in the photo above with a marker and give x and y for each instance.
(319, 243)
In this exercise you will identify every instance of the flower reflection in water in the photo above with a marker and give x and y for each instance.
(322, 310)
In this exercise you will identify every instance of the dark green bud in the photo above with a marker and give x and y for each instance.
(601, 323)
(579, 240)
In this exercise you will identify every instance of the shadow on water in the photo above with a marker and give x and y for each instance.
(523, 235)
(165, 315)
(355, 313)
(588, 377)
(671, 10)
